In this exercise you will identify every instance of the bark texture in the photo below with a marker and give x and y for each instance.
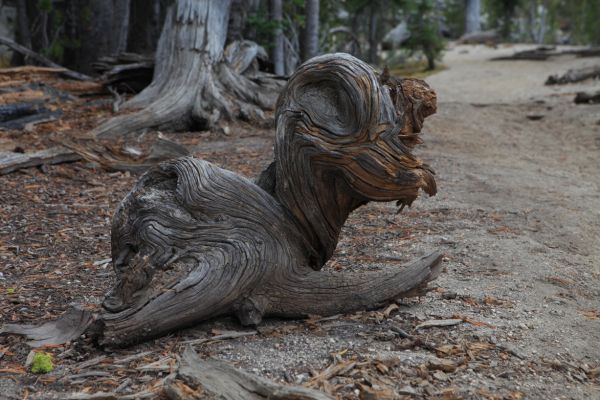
(193, 86)
(193, 241)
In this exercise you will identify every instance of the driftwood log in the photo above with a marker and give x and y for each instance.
(543, 53)
(193, 241)
(587, 98)
(575, 75)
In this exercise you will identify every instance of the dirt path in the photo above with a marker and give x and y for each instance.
(518, 215)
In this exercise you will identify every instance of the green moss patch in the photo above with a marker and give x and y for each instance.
(42, 363)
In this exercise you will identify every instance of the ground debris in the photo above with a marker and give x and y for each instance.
(439, 323)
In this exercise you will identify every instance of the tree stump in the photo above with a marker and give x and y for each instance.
(193, 85)
(193, 241)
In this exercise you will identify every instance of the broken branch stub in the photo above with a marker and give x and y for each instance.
(193, 241)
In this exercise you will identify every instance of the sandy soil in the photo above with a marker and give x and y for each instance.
(517, 215)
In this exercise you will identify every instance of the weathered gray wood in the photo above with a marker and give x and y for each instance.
(575, 75)
(193, 85)
(137, 156)
(192, 241)
(10, 161)
(229, 383)
(68, 327)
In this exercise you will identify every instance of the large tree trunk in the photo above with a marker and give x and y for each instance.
(311, 30)
(193, 241)
(193, 86)
(473, 16)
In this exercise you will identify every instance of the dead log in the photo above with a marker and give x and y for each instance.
(193, 241)
(587, 98)
(540, 53)
(575, 75)
(11, 161)
(195, 377)
(543, 53)
(586, 52)
(43, 60)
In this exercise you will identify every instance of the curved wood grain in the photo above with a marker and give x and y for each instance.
(192, 241)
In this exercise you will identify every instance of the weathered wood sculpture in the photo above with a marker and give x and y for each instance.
(193, 241)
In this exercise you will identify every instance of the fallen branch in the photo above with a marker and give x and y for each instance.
(541, 53)
(439, 323)
(43, 60)
(225, 336)
(222, 380)
(10, 161)
(129, 157)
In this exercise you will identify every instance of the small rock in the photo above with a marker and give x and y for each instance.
(449, 295)
(407, 390)
(440, 376)
(301, 378)
(535, 117)
(442, 364)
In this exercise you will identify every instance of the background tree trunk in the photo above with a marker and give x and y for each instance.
(278, 55)
(120, 28)
(311, 31)
(473, 16)
(146, 20)
(23, 33)
(94, 26)
(373, 42)
(237, 20)
(193, 87)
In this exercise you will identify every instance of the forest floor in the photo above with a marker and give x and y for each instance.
(517, 215)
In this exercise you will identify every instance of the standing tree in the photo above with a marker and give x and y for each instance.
(278, 53)
(373, 39)
(311, 30)
(425, 32)
(473, 16)
(194, 85)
